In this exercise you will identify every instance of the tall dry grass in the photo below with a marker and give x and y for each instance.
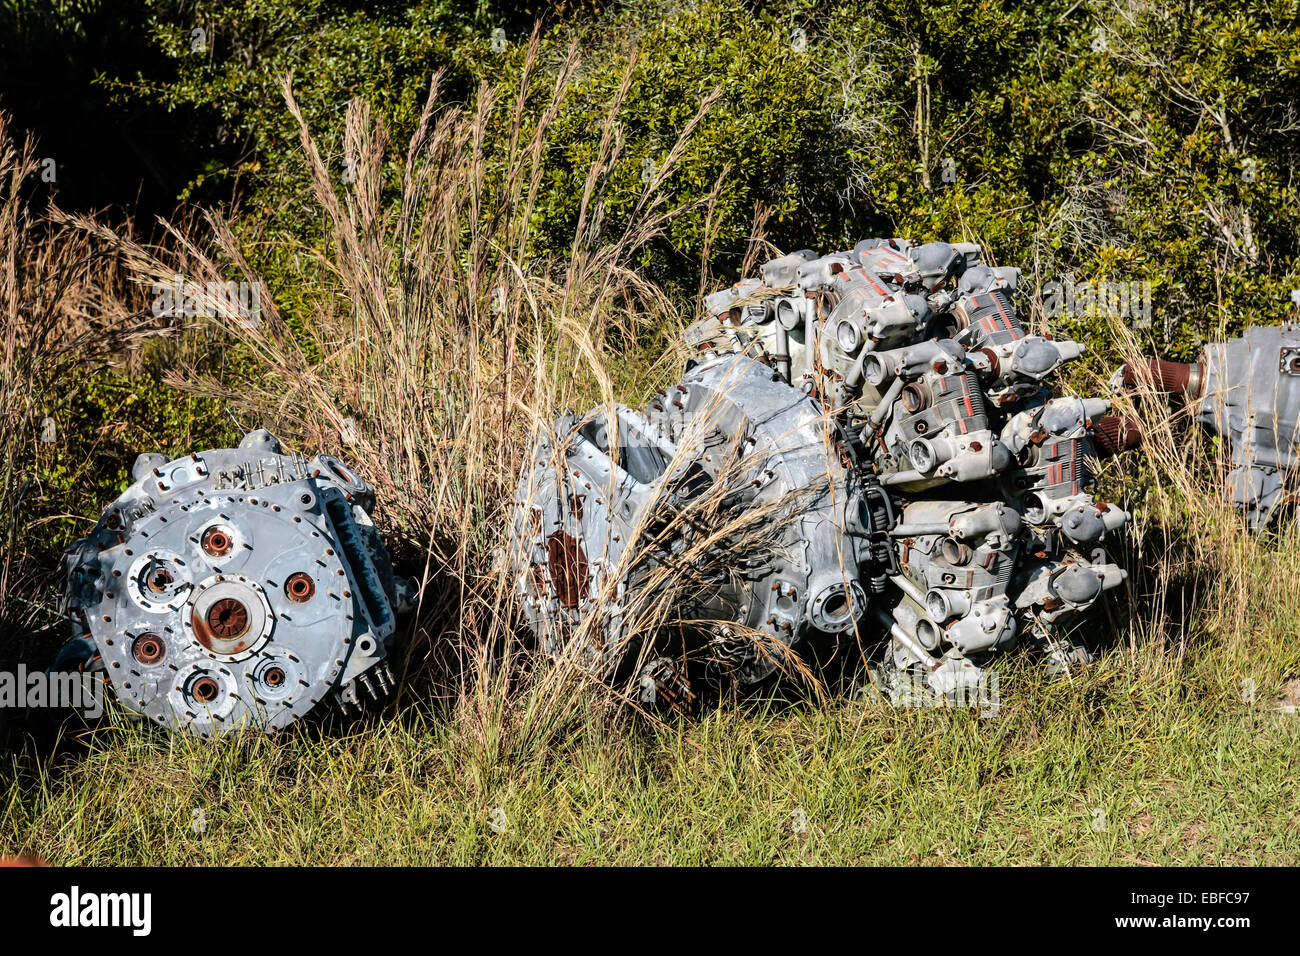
(59, 285)
(1198, 575)
(433, 347)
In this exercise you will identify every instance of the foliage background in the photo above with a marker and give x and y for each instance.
(1138, 141)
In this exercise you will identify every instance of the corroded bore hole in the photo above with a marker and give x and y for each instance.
(274, 677)
(916, 396)
(216, 542)
(160, 580)
(837, 605)
(205, 690)
(299, 587)
(955, 552)
(228, 618)
(148, 649)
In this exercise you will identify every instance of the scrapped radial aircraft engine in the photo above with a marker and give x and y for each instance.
(1246, 390)
(863, 449)
(236, 587)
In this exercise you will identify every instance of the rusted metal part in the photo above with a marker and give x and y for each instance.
(216, 542)
(1162, 376)
(1247, 391)
(227, 618)
(205, 690)
(1114, 434)
(148, 649)
(299, 587)
(160, 580)
(567, 568)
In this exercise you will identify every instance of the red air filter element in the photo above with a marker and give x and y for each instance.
(1113, 434)
(1172, 377)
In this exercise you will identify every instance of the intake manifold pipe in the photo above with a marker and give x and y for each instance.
(1171, 378)
(941, 355)
(1112, 434)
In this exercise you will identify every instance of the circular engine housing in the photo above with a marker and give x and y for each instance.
(237, 587)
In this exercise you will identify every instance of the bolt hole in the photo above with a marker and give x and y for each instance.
(216, 542)
(148, 649)
(160, 580)
(205, 690)
(299, 587)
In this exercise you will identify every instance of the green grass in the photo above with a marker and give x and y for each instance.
(1182, 777)
(1162, 735)
(1173, 748)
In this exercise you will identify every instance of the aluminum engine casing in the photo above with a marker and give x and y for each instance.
(753, 442)
(236, 587)
(1246, 390)
(889, 415)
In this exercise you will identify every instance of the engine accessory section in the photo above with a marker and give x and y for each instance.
(237, 587)
(1246, 390)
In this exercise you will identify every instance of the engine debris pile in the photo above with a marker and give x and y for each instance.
(236, 587)
(865, 450)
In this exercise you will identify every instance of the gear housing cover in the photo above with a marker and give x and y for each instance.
(236, 587)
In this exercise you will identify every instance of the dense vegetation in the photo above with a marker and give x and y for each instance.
(603, 164)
